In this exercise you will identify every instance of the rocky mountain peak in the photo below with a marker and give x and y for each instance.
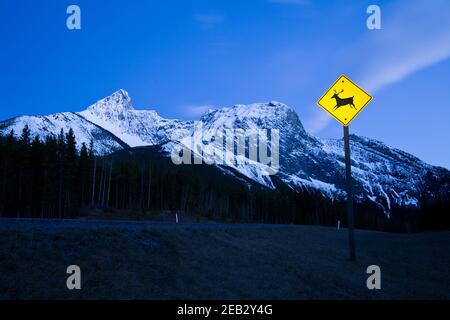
(117, 103)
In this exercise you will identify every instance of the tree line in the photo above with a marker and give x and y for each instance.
(52, 178)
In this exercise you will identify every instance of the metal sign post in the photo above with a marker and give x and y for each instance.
(344, 101)
(348, 177)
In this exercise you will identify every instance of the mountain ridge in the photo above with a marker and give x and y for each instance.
(384, 175)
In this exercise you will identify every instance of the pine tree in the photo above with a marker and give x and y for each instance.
(84, 173)
(61, 151)
(36, 182)
(25, 137)
(23, 156)
(71, 146)
(70, 171)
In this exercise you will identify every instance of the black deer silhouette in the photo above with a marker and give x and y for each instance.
(340, 102)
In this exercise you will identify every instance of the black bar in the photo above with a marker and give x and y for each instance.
(169, 309)
(348, 176)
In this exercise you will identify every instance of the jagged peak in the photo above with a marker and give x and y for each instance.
(262, 105)
(272, 114)
(118, 101)
(259, 109)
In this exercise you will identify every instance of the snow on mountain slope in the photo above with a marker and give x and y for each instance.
(386, 176)
(251, 118)
(295, 146)
(135, 127)
(383, 175)
(85, 131)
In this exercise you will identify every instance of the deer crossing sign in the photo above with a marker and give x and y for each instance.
(344, 100)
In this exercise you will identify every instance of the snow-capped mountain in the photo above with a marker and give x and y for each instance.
(135, 127)
(84, 130)
(386, 176)
(383, 175)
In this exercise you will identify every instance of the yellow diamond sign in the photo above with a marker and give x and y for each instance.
(344, 100)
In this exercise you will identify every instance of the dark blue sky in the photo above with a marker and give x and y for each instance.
(179, 57)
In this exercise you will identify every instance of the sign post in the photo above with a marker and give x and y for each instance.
(344, 101)
(348, 178)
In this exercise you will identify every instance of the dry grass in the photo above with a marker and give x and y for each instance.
(236, 262)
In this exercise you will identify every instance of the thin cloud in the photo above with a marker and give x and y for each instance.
(408, 42)
(318, 121)
(413, 42)
(196, 110)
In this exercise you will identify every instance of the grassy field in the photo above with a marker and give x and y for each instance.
(121, 260)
